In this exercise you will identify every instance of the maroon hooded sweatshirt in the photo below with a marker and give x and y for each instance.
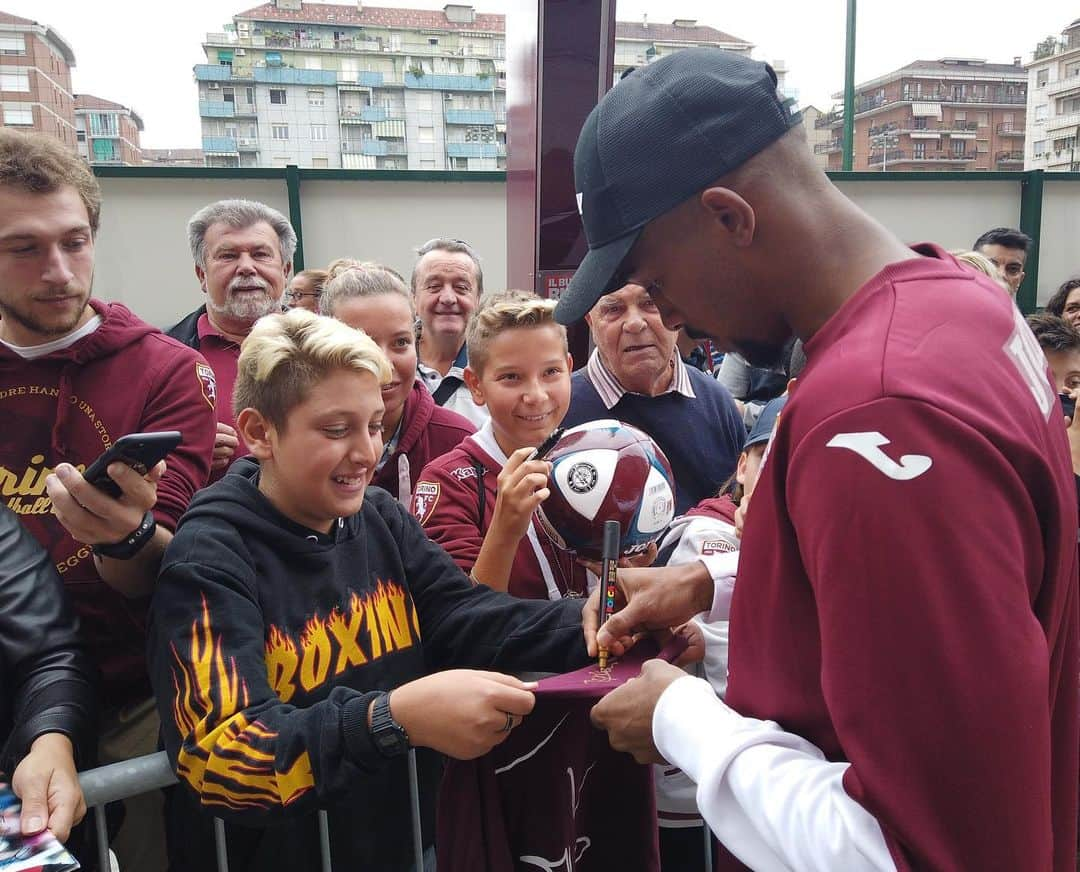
(428, 431)
(69, 406)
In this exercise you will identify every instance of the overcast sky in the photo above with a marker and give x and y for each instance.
(140, 53)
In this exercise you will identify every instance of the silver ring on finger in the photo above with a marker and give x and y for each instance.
(509, 725)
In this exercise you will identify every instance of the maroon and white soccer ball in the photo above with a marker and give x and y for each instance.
(607, 470)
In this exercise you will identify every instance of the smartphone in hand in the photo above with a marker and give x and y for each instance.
(1068, 404)
(140, 451)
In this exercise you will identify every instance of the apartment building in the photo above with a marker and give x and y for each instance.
(364, 87)
(107, 132)
(35, 78)
(816, 135)
(638, 43)
(1053, 108)
(950, 114)
(325, 85)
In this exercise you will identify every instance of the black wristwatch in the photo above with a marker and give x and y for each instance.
(388, 735)
(132, 543)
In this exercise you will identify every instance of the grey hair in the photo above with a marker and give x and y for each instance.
(361, 280)
(453, 246)
(238, 214)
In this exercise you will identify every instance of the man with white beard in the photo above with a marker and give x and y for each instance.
(243, 253)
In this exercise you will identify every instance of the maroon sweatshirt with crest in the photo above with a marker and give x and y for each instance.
(69, 406)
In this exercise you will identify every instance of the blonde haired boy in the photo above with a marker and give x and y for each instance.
(298, 621)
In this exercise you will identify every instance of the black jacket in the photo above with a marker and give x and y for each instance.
(46, 678)
(187, 330)
(269, 640)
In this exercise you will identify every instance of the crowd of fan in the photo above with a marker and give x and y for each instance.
(459, 388)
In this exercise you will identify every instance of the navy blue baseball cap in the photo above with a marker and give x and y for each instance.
(660, 135)
(765, 423)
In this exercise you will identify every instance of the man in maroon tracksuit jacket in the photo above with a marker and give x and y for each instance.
(76, 374)
(904, 630)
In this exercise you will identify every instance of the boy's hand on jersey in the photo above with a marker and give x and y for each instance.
(522, 486)
(462, 713)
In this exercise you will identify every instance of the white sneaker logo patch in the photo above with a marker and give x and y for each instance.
(868, 447)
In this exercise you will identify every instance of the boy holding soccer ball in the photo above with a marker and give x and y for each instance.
(478, 501)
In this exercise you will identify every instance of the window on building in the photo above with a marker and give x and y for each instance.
(80, 135)
(17, 116)
(103, 150)
(15, 82)
(1069, 106)
(984, 119)
(1042, 77)
(279, 131)
(960, 116)
(426, 134)
(102, 124)
(316, 97)
(1038, 147)
(318, 133)
(12, 43)
(320, 163)
(1040, 112)
(433, 40)
(918, 149)
(228, 95)
(249, 95)
(277, 95)
(459, 163)
(959, 147)
(1072, 69)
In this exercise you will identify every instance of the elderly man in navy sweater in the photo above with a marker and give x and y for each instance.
(636, 376)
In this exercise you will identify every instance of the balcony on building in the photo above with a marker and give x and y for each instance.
(904, 156)
(363, 80)
(439, 82)
(1061, 86)
(213, 72)
(289, 76)
(1008, 128)
(216, 109)
(247, 143)
(831, 147)
(475, 149)
(960, 129)
(219, 145)
(829, 119)
(381, 147)
(485, 117)
(1063, 122)
(374, 113)
(1010, 159)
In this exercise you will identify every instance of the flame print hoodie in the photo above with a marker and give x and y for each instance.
(268, 642)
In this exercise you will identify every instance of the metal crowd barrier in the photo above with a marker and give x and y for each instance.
(139, 775)
(143, 774)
